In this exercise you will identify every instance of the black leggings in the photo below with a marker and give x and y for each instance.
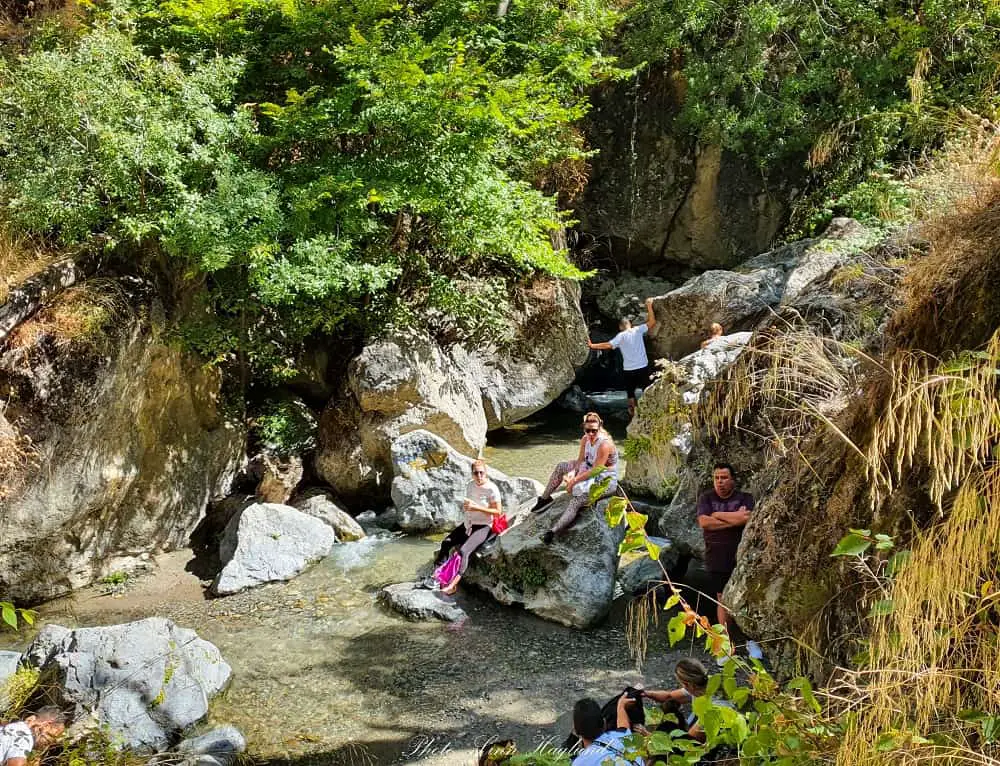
(468, 541)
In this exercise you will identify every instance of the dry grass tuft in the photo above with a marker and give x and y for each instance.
(19, 19)
(950, 295)
(78, 316)
(16, 455)
(932, 426)
(790, 380)
(938, 651)
(19, 260)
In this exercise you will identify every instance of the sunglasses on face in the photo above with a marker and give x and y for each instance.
(590, 430)
(479, 473)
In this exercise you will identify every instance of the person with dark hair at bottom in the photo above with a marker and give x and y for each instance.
(635, 363)
(596, 462)
(723, 512)
(600, 747)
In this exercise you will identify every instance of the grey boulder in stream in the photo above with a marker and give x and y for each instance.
(570, 581)
(147, 681)
(266, 542)
(430, 482)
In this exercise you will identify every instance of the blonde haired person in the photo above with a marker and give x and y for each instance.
(596, 461)
(481, 505)
(693, 678)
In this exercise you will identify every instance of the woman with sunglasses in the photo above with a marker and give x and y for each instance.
(597, 461)
(481, 505)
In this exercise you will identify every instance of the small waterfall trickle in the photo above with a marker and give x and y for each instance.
(633, 165)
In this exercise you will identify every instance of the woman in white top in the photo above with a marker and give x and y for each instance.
(481, 505)
(596, 462)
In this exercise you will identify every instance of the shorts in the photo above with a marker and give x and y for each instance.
(636, 380)
(717, 582)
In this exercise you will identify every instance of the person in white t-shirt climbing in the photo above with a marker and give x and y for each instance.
(635, 363)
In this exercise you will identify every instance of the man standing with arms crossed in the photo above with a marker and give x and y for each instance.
(630, 342)
(722, 513)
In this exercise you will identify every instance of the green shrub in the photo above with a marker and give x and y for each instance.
(834, 88)
(389, 169)
(285, 427)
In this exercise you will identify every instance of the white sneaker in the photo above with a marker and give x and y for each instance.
(754, 650)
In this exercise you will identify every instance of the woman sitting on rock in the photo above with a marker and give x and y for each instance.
(481, 505)
(597, 461)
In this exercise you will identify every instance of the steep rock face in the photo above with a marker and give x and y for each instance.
(407, 381)
(662, 201)
(741, 298)
(778, 414)
(124, 443)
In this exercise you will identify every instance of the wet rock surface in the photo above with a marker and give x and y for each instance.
(223, 745)
(416, 602)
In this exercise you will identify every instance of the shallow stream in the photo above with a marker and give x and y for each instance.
(323, 675)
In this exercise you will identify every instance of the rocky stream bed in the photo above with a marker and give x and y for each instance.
(323, 675)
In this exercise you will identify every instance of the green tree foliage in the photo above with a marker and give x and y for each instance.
(324, 165)
(839, 84)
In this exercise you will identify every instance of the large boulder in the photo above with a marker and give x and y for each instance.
(266, 542)
(570, 581)
(406, 380)
(624, 295)
(112, 443)
(430, 482)
(418, 603)
(660, 434)
(147, 681)
(684, 315)
(740, 298)
(642, 572)
(656, 199)
(321, 504)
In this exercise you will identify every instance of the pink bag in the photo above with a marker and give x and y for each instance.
(448, 571)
